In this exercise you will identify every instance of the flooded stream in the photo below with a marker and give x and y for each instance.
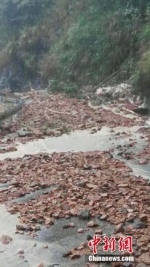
(60, 241)
(84, 141)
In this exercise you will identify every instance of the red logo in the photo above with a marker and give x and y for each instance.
(124, 244)
(93, 243)
(109, 244)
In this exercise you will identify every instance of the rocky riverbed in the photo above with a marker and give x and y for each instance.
(79, 169)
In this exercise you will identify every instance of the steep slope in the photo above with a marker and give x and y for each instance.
(67, 44)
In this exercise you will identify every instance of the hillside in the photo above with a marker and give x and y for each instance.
(67, 44)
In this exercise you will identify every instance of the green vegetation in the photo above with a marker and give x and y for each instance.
(70, 44)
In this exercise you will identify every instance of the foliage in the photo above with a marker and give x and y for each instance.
(68, 88)
(70, 43)
(93, 49)
(141, 77)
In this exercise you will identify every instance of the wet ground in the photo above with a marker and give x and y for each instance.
(84, 141)
(61, 240)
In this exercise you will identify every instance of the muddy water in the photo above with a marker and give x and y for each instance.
(76, 141)
(69, 238)
(6, 185)
(59, 241)
(85, 141)
(33, 195)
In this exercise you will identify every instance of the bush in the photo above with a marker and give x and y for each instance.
(67, 88)
(141, 78)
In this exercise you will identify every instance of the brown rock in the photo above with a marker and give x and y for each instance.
(13, 210)
(21, 252)
(75, 256)
(104, 217)
(145, 258)
(84, 244)
(91, 186)
(80, 248)
(45, 246)
(67, 217)
(104, 194)
(92, 224)
(143, 241)
(55, 215)
(143, 161)
(5, 239)
(143, 217)
(80, 231)
(144, 249)
(11, 149)
(93, 131)
(98, 232)
(119, 228)
(20, 227)
(123, 185)
(68, 253)
(130, 217)
(66, 226)
(49, 221)
(71, 225)
(129, 229)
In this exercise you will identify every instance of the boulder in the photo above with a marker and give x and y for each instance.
(23, 132)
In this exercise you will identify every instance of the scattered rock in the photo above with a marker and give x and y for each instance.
(98, 232)
(138, 224)
(119, 228)
(84, 215)
(45, 246)
(104, 217)
(23, 227)
(145, 258)
(80, 248)
(80, 230)
(68, 225)
(75, 256)
(11, 149)
(52, 132)
(13, 210)
(143, 161)
(67, 217)
(89, 237)
(67, 254)
(5, 239)
(92, 224)
(81, 184)
(71, 224)
(21, 252)
(23, 132)
(143, 217)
